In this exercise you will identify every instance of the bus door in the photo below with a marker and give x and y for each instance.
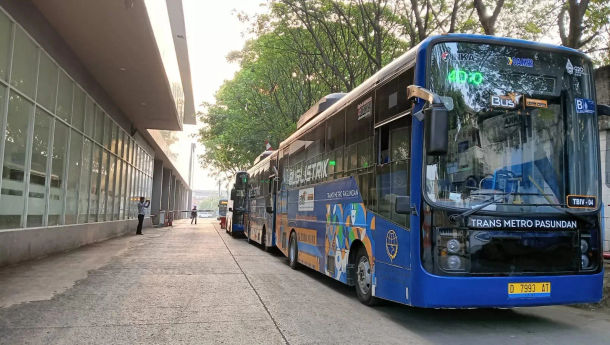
(392, 242)
(270, 209)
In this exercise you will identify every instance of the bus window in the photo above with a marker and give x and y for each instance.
(393, 169)
(359, 125)
(391, 98)
(335, 141)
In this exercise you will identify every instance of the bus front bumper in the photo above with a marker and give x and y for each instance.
(471, 292)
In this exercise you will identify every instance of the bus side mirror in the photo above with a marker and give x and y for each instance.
(403, 205)
(232, 193)
(436, 120)
(436, 130)
(603, 110)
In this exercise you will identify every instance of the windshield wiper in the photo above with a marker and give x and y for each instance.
(454, 218)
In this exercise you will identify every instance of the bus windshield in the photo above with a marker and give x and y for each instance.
(522, 128)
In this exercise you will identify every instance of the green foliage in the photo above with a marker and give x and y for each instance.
(304, 49)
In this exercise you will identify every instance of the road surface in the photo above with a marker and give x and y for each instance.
(197, 285)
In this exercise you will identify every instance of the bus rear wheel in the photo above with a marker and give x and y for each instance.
(364, 278)
(293, 251)
(264, 241)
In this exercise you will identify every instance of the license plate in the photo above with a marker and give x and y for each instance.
(519, 290)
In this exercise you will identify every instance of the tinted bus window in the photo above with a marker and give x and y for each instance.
(335, 142)
(391, 98)
(359, 125)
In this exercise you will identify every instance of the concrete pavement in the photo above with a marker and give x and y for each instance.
(197, 285)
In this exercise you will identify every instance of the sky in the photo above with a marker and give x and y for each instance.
(212, 31)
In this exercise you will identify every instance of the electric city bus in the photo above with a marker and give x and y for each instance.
(222, 212)
(261, 199)
(465, 173)
(237, 206)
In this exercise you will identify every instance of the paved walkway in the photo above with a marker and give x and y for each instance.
(197, 285)
(168, 286)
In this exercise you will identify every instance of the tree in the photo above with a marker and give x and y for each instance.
(582, 24)
(488, 20)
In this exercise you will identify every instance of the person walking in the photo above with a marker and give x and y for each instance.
(141, 206)
(194, 214)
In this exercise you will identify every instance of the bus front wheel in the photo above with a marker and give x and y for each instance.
(364, 278)
(293, 251)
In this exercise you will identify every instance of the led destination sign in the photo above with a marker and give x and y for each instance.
(521, 223)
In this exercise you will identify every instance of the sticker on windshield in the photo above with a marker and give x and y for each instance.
(581, 201)
(573, 69)
(584, 106)
(509, 101)
(536, 103)
(522, 62)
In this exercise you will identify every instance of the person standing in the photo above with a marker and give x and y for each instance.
(194, 214)
(141, 206)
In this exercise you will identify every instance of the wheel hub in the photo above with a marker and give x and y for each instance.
(364, 275)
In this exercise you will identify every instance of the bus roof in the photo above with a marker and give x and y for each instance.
(406, 61)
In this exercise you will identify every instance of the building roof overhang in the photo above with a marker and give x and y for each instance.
(116, 42)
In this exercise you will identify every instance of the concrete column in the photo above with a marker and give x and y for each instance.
(157, 188)
(172, 193)
(165, 189)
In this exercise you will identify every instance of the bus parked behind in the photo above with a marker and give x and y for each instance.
(237, 205)
(261, 198)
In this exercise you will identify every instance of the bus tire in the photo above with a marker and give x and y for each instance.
(264, 241)
(364, 278)
(293, 251)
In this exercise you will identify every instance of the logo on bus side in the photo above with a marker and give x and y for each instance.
(308, 173)
(391, 244)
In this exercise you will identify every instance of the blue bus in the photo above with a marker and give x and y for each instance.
(466, 173)
(261, 201)
(237, 213)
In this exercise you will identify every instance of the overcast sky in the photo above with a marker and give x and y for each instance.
(212, 30)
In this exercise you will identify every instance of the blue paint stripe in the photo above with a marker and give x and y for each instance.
(528, 295)
(309, 249)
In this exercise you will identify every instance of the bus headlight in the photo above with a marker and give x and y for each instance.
(584, 246)
(584, 261)
(453, 246)
(454, 262)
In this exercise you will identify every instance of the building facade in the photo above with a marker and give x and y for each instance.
(84, 86)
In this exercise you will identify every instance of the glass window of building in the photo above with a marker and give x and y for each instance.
(78, 108)
(38, 168)
(5, 45)
(95, 180)
(25, 60)
(13, 169)
(56, 197)
(74, 171)
(85, 180)
(110, 187)
(117, 190)
(99, 124)
(103, 186)
(89, 117)
(107, 131)
(123, 190)
(113, 138)
(47, 83)
(64, 97)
